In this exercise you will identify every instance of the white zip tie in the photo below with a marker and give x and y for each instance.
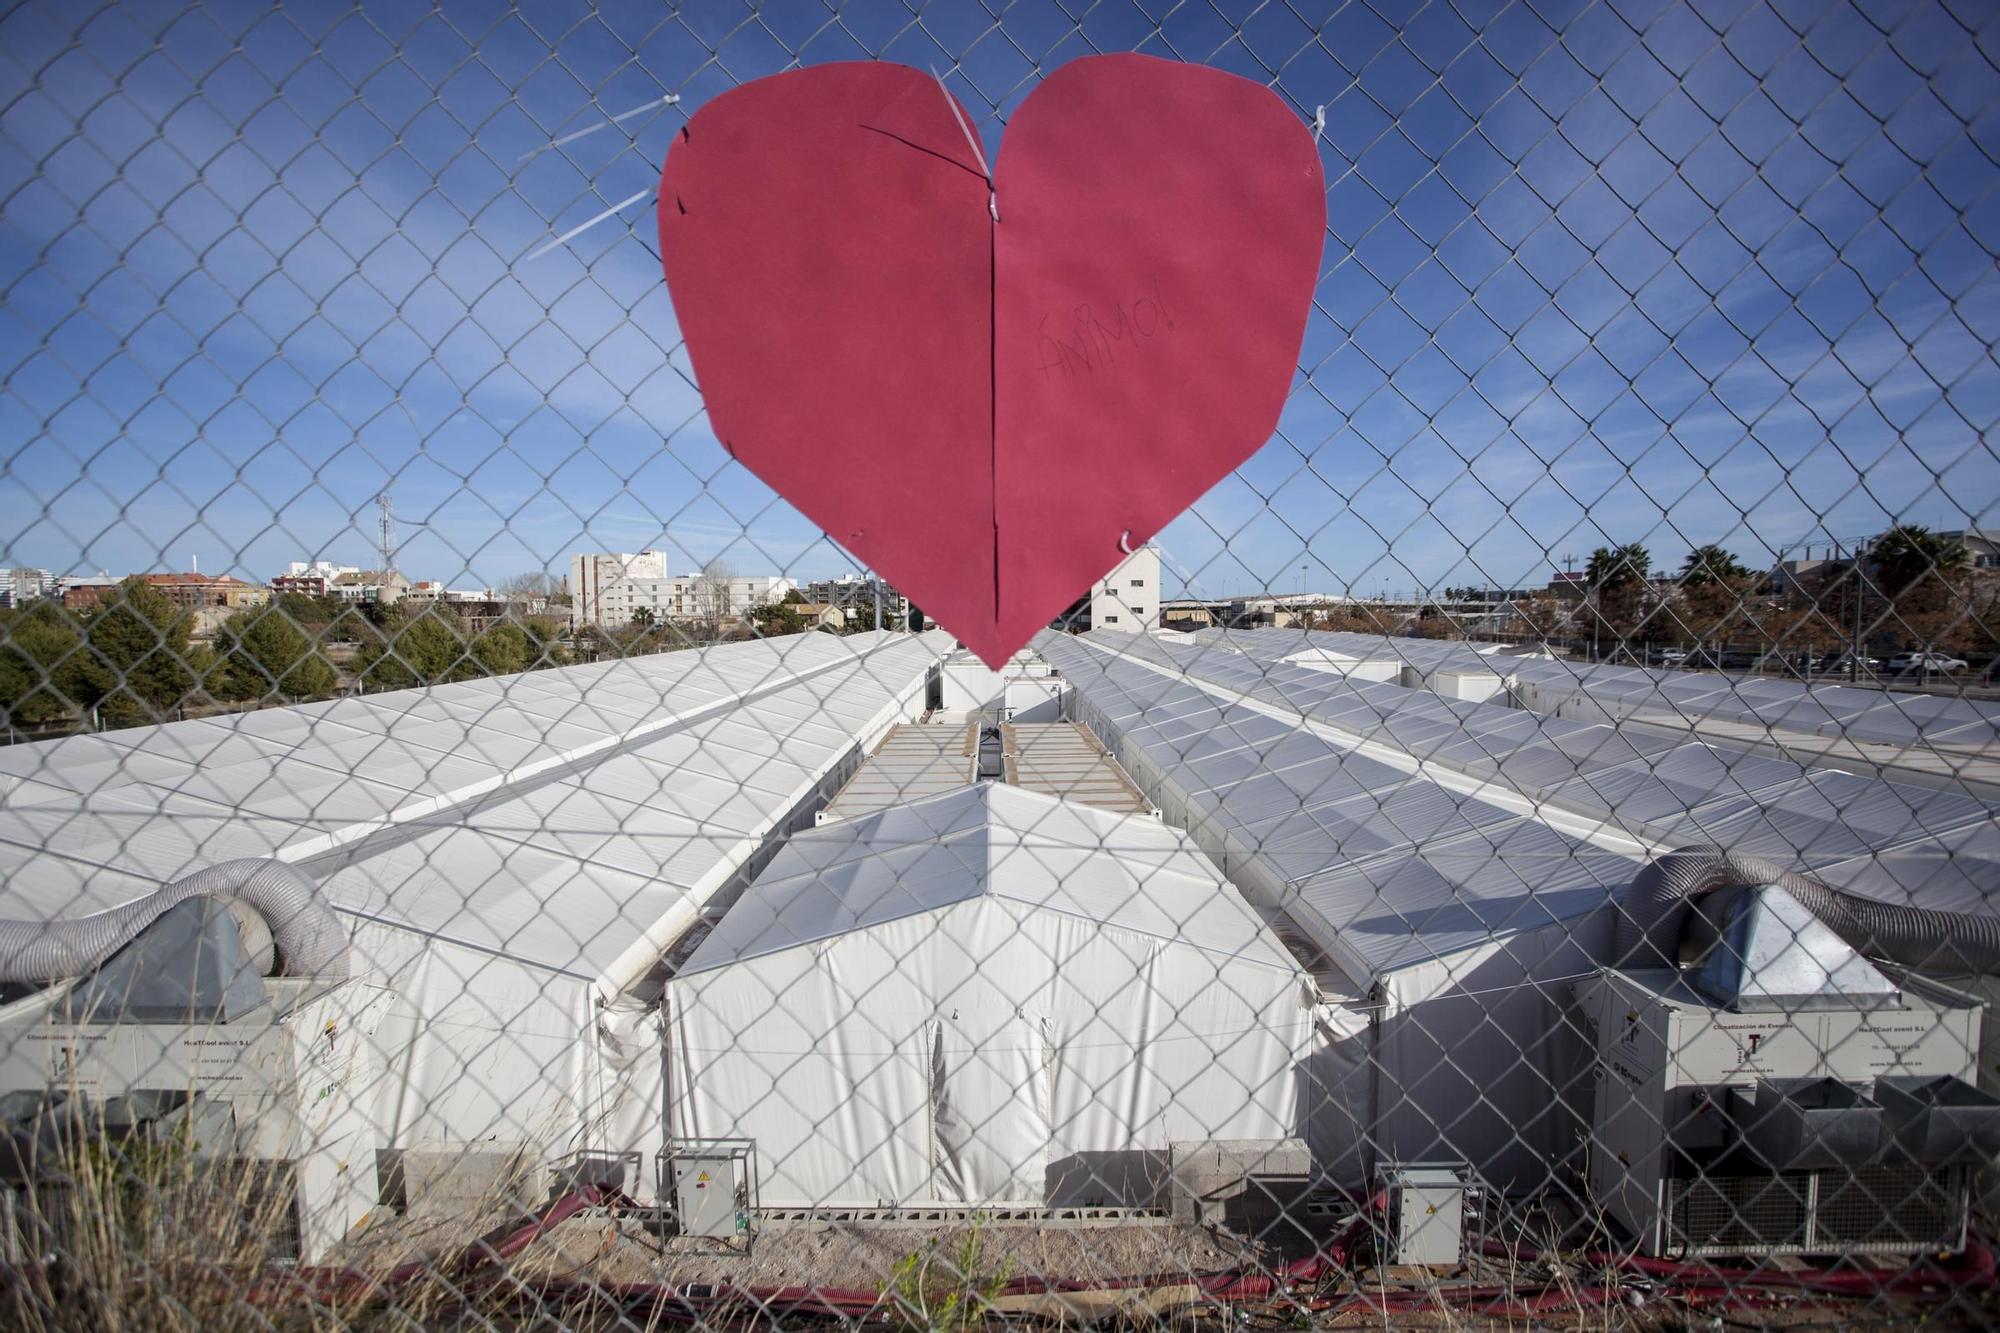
(978, 153)
(1319, 121)
(572, 137)
(578, 230)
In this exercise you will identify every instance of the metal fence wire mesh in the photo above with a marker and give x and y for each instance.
(1519, 849)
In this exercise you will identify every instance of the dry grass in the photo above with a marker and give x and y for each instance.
(143, 1235)
(128, 1234)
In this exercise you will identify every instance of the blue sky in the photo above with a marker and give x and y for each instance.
(1657, 272)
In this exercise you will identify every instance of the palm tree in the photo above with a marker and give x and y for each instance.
(1618, 567)
(1616, 579)
(1710, 564)
(1906, 554)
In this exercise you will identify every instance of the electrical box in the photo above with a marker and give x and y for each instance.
(1427, 1204)
(713, 1183)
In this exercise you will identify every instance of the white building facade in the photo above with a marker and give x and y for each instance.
(593, 577)
(601, 595)
(1128, 598)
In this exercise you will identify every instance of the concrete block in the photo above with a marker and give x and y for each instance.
(1209, 1178)
(464, 1180)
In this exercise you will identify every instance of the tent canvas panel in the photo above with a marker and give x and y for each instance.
(978, 1053)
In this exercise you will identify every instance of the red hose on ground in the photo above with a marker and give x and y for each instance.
(326, 1283)
(1335, 1255)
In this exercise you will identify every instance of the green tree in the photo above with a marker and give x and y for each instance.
(262, 654)
(1539, 616)
(141, 641)
(1717, 611)
(503, 650)
(42, 664)
(349, 624)
(545, 640)
(781, 617)
(1921, 595)
(309, 613)
(588, 643)
(644, 617)
(427, 649)
(1616, 577)
(1711, 564)
(1909, 556)
(1617, 567)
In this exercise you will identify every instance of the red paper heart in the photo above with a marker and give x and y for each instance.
(984, 412)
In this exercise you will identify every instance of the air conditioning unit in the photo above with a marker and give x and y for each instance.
(1780, 1094)
(253, 1087)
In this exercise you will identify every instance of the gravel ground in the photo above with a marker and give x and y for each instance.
(828, 1255)
(865, 1257)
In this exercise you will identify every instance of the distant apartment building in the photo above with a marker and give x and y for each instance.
(313, 580)
(590, 576)
(1571, 585)
(190, 592)
(195, 592)
(1822, 563)
(19, 586)
(1128, 598)
(384, 587)
(477, 609)
(852, 592)
(81, 594)
(685, 597)
(1982, 545)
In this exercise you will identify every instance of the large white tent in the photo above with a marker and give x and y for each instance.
(512, 856)
(989, 996)
(1457, 863)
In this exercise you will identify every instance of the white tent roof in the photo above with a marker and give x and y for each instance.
(1675, 791)
(550, 817)
(1124, 872)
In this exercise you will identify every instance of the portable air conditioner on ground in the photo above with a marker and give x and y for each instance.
(177, 1040)
(1783, 1095)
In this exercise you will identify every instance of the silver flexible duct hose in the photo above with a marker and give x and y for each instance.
(1920, 938)
(308, 935)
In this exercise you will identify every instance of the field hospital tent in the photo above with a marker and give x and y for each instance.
(511, 856)
(989, 996)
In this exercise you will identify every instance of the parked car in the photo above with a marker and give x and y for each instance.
(1737, 659)
(1849, 661)
(1670, 657)
(1925, 662)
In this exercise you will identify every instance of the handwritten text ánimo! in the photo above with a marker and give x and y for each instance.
(1090, 338)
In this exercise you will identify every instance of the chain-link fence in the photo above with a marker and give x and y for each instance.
(1519, 849)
